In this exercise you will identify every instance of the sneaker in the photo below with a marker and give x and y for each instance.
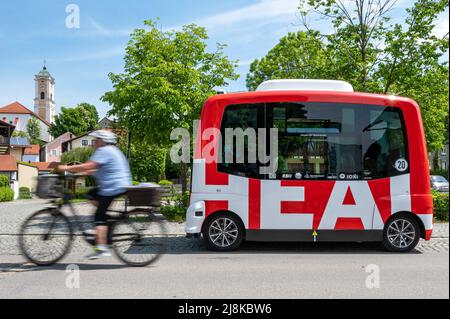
(99, 252)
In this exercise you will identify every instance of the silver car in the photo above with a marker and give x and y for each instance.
(439, 183)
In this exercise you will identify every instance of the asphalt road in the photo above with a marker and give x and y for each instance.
(258, 270)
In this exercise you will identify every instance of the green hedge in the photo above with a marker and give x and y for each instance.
(24, 193)
(4, 181)
(440, 203)
(175, 211)
(6, 194)
(80, 193)
(165, 182)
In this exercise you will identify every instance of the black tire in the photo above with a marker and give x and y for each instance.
(398, 239)
(223, 241)
(37, 227)
(139, 238)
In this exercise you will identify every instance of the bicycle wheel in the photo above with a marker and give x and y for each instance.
(139, 238)
(45, 237)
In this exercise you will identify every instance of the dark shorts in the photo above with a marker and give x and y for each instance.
(101, 217)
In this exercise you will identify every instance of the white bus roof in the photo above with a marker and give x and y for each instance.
(305, 85)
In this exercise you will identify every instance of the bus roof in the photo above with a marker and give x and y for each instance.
(311, 96)
(305, 85)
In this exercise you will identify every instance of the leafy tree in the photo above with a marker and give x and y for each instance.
(77, 155)
(4, 181)
(299, 55)
(168, 75)
(34, 131)
(78, 120)
(20, 134)
(145, 168)
(371, 53)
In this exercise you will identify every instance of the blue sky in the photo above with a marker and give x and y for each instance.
(80, 59)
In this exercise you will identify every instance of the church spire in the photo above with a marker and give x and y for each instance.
(44, 101)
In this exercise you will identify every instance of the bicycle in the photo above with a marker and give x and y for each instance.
(137, 236)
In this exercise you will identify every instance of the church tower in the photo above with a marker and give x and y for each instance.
(44, 101)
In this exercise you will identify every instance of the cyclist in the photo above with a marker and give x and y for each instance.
(112, 174)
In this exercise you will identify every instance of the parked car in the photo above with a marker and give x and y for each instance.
(439, 183)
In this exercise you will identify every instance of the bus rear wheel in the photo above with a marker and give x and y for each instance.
(401, 234)
(223, 232)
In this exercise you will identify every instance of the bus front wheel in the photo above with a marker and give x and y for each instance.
(223, 232)
(401, 233)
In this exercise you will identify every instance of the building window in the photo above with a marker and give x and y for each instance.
(85, 142)
(42, 95)
(54, 153)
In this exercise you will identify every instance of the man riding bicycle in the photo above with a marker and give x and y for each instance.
(112, 174)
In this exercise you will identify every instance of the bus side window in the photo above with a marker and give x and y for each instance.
(385, 143)
(243, 118)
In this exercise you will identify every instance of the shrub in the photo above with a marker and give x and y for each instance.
(6, 194)
(147, 162)
(165, 182)
(440, 203)
(77, 155)
(80, 193)
(176, 210)
(4, 181)
(24, 193)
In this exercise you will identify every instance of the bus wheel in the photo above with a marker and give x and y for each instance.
(401, 234)
(223, 232)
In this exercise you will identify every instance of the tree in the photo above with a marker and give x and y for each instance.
(371, 53)
(299, 55)
(78, 120)
(145, 168)
(77, 155)
(20, 134)
(168, 75)
(34, 131)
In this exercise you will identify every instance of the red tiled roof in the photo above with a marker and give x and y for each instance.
(33, 150)
(17, 108)
(45, 166)
(8, 163)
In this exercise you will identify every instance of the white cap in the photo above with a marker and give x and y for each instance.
(106, 136)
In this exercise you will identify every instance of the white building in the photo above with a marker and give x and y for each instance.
(44, 107)
(17, 114)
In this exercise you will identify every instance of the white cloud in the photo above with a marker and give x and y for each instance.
(100, 30)
(91, 56)
(263, 12)
(441, 28)
(268, 10)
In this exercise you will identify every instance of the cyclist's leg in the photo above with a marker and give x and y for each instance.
(92, 196)
(101, 219)
(101, 228)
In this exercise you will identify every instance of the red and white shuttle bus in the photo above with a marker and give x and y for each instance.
(350, 167)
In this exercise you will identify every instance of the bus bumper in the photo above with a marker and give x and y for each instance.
(195, 216)
(428, 234)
